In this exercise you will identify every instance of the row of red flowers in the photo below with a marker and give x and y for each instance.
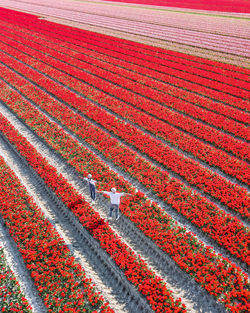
(126, 89)
(211, 135)
(212, 220)
(11, 297)
(208, 181)
(129, 71)
(190, 144)
(122, 53)
(190, 170)
(61, 282)
(172, 68)
(191, 60)
(214, 157)
(194, 62)
(215, 273)
(135, 269)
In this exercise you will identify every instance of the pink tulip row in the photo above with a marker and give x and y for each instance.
(216, 274)
(11, 296)
(188, 37)
(210, 41)
(134, 268)
(224, 69)
(201, 212)
(53, 270)
(206, 23)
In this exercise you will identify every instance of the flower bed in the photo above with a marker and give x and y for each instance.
(213, 5)
(204, 152)
(130, 91)
(46, 256)
(205, 179)
(127, 70)
(134, 268)
(215, 273)
(201, 212)
(195, 61)
(221, 140)
(11, 296)
(105, 43)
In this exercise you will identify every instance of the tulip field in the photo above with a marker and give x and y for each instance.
(170, 129)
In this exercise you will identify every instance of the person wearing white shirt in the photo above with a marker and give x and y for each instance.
(92, 187)
(115, 201)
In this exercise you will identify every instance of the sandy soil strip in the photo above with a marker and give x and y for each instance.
(15, 260)
(64, 229)
(194, 302)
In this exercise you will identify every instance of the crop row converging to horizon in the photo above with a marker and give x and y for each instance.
(176, 124)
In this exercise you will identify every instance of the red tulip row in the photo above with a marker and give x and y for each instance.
(177, 57)
(234, 101)
(149, 61)
(203, 78)
(224, 141)
(11, 297)
(127, 70)
(190, 170)
(186, 71)
(200, 211)
(214, 157)
(125, 89)
(60, 281)
(134, 268)
(215, 273)
(191, 60)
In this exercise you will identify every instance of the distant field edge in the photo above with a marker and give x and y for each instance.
(234, 6)
(185, 49)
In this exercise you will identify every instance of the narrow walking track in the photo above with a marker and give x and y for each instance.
(90, 262)
(181, 219)
(133, 148)
(16, 263)
(179, 282)
(109, 279)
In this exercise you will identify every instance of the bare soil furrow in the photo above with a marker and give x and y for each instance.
(14, 257)
(155, 163)
(175, 215)
(195, 298)
(109, 280)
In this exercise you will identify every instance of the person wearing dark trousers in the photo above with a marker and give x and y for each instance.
(114, 200)
(92, 187)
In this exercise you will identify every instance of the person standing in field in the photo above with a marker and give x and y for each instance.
(92, 186)
(115, 201)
